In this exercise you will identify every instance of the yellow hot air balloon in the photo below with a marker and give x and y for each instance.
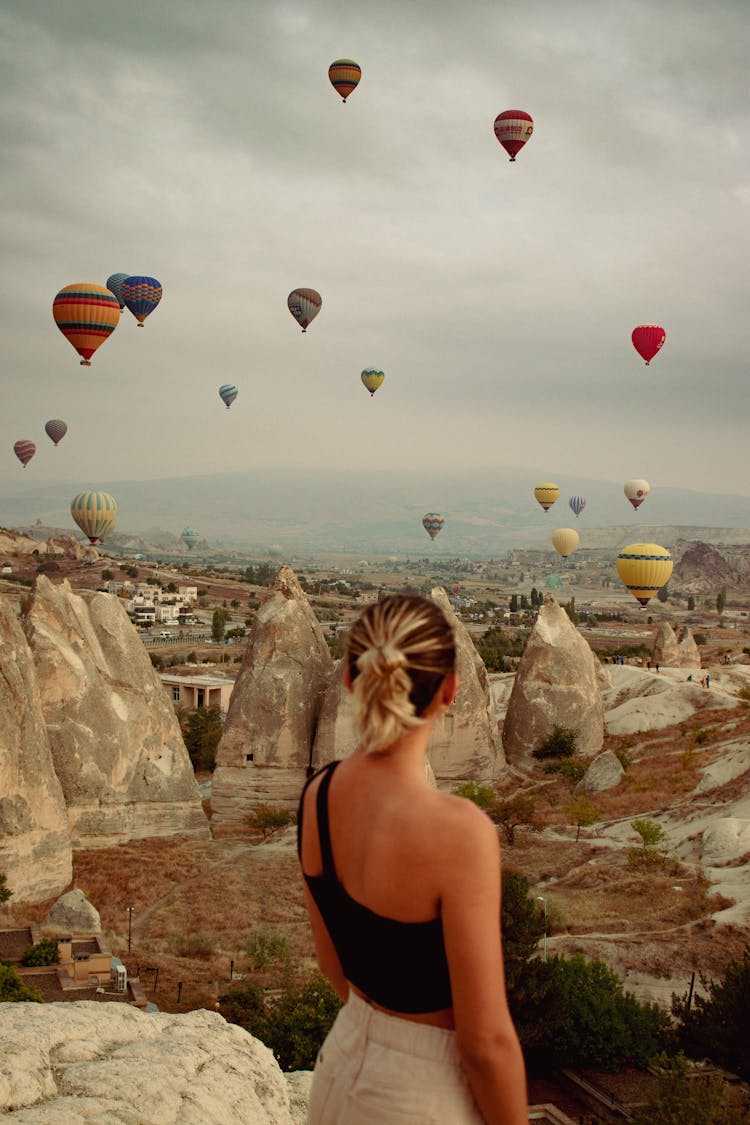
(644, 568)
(95, 513)
(565, 540)
(546, 494)
(372, 377)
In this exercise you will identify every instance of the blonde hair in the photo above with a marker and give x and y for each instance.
(398, 653)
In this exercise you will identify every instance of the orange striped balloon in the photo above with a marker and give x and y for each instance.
(344, 76)
(87, 315)
(24, 451)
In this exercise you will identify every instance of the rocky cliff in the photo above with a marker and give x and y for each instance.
(703, 570)
(673, 650)
(116, 745)
(266, 748)
(35, 850)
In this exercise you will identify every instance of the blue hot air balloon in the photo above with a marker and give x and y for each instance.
(577, 504)
(227, 393)
(141, 295)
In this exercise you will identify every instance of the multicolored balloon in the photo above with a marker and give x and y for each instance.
(114, 284)
(636, 491)
(190, 537)
(87, 315)
(372, 378)
(576, 505)
(432, 522)
(141, 295)
(304, 305)
(648, 340)
(546, 494)
(95, 513)
(227, 393)
(565, 540)
(55, 429)
(24, 450)
(513, 128)
(344, 76)
(644, 568)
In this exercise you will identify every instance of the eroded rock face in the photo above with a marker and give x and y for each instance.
(665, 649)
(116, 744)
(266, 748)
(73, 914)
(85, 1061)
(35, 848)
(605, 772)
(557, 684)
(336, 735)
(690, 656)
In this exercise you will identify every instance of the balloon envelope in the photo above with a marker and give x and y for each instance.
(513, 128)
(344, 76)
(24, 451)
(577, 504)
(114, 284)
(644, 568)
(95, 513)
(227, 393)
(372, 378)
(546, 494)
(190, 537)
(637, 491)
(647, 340)
(55, 429)
(304, 305)
(432, 523)
(141, 295)
(87, 315)
(565, 540)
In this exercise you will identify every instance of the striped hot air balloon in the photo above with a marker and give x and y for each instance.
(114, 284)
(24, 450)
(576, 505)
(513, 128)
(565, 540)
(344, 76)
(372, 378)
(55, 429)
(636, 491)
(95, 513)
(87, 315)
(644, 568)
(648, 339)
(190, 537)
(546, 494)
(304, 305)
(141, 295)
(432, 522)
(228, 393)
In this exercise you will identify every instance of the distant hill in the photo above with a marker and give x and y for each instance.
(381, 511)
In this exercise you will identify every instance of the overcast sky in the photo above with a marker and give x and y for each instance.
(202, 143)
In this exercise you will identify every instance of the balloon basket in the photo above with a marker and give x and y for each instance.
(85, 363)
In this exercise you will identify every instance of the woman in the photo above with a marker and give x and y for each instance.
(403, 890)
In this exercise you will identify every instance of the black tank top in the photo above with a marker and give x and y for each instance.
(399, 965)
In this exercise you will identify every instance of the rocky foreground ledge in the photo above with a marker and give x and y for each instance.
(65, 1064)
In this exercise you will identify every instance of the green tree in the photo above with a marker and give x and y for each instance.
(662, 594)
(651, 834)
(201, 730)
(266, 947)
(5, 891)
(483, 796)
(13, 989)
(219, 622)
(561, 742)
(691, 602)
(521, 922)
(570, 770)
(514, 603)
(108, 575)
(267, 819)
(716, 1024)
(512, 814)
(572, 612)
(44, 952)
(685, 1099)
(721, 600)
(582, 813)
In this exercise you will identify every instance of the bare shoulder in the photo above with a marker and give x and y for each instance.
(465, 830)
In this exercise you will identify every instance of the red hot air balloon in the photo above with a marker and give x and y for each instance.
(24, 451)
(647, 340)
(513, 128)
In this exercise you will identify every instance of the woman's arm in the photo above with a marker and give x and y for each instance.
(487, 1040)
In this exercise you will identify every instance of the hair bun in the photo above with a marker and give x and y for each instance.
(382, 660)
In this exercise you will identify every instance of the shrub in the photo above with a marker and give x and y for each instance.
(198, 946)
(700, 736)
(266, 946)
(559, 743)
(266, 819)
(5, 891)
(13, 989)
(716, 1024)
(482, 795)
(569, 770)
(43, 953)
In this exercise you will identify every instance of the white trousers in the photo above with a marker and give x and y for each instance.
(376, 1068)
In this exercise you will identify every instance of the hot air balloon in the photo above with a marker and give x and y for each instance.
(190, 537)
(647, 340)
(304, 305)
(114, 284)
(344, 76)
(644, 568)
(372, 378)
(636, 491)
(86, 314)
(141, 295)
(513, 129)
(432, 522)
(55, 429)
(565, 540)
(546, 494)
(95, 513)
(228, 393)
(24, 451)
(577, 504)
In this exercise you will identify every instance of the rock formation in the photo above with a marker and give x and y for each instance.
(336, 735)
(72, 914)
(702, 570)
(605, 772)
(557, 684)
(672, 650)
(116, 744)
(35, 850)
(266, 748)
(72, 548)
(690, 656)
(86, 1061)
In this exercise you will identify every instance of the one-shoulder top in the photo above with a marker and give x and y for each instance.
(399, 965)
